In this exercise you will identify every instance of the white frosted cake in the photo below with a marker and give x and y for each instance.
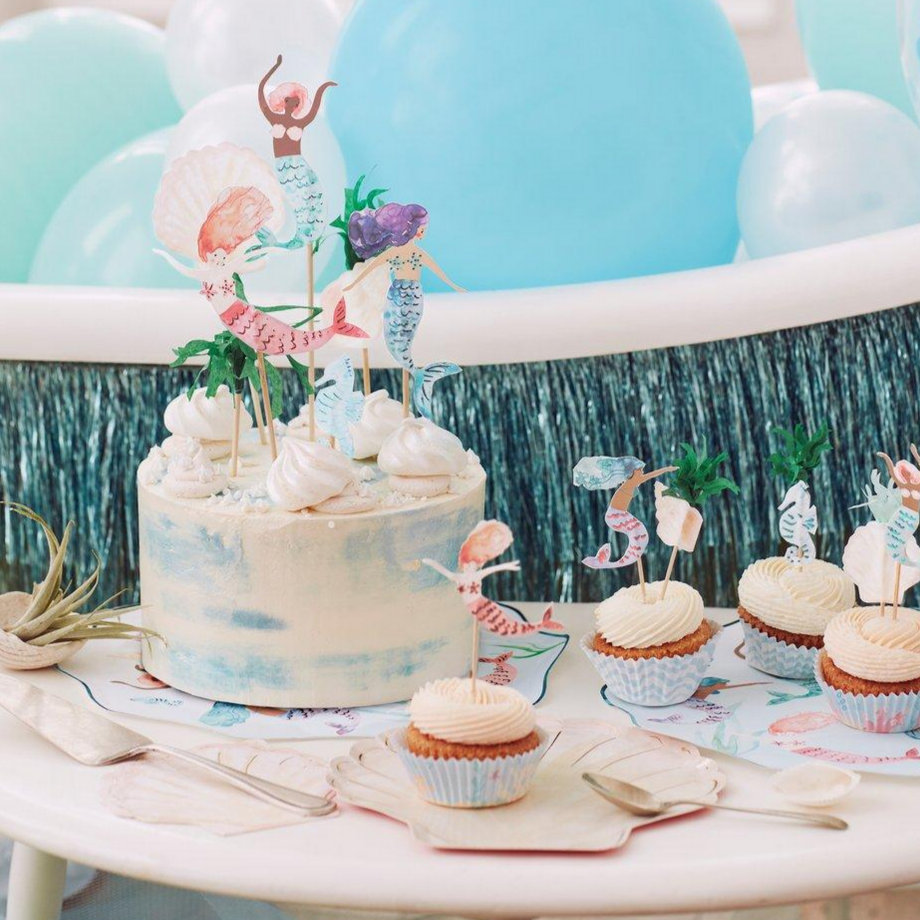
(298, 583)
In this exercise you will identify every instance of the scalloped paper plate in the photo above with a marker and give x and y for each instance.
(560, 813)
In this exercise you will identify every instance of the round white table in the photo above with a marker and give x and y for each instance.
(708, 861)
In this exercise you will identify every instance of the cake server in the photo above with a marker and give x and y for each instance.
(96, 741)
(640, 801)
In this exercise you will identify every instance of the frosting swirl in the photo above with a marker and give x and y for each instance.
(307, 473)
(207, 418)
(796, 599)
(448, 710)
(628, 622)
(867, 645)
(418, 447)
(192, 475)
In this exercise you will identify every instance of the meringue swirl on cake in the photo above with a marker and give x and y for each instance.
(876, 648)
(307, 473)
(625, 620)
(795, 599)
(448, 711)
(193, 475)
(206, 418)
(418, 447)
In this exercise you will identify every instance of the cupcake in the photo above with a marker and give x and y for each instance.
(470, 746)
(869, 669)
(784, 610)
(420, 458)
(311, 475)
(652, 651)
(205, 419)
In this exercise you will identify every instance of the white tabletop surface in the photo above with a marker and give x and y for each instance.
(707, 861)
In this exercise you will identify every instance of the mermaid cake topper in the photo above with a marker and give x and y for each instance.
(487, 541)
(288, 110)
(391, 234)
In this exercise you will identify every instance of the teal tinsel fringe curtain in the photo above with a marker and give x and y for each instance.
(72, 437)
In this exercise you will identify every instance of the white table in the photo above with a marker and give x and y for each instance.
(710, 861)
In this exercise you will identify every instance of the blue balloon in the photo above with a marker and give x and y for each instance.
(854, 44)
(78, 84)
(551, 142)
(102, 233)
(830, 167)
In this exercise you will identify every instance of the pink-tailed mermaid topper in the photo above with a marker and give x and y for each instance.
(625, 474)
(487, 541)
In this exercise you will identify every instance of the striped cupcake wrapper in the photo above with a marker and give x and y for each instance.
(780, 659)
(653, 681)
(884, 713)
(457, 783)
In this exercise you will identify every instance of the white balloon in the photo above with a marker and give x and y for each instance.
(772, 98)
(213, 44)
(233, 115)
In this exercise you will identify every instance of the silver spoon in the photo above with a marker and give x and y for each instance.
(639, 801)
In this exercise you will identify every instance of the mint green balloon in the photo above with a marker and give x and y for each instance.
(102, 233)
(77, 85)
(855, 44)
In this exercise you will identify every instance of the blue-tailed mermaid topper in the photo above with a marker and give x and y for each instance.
(798, 522)
(286, 110)
(903, 524)
(625, 474)
(338, 404)
(391, 234)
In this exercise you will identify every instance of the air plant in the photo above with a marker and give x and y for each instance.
(50, 624)
(800, 453)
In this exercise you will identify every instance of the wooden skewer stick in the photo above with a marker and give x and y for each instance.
(257, 412)
(366, 361)
(896, 600)
(405, 388)
(882, 602)
(641, 570)
(670, 572)
(235, 444)
(267, 400)
(311, 356)
(474, 666)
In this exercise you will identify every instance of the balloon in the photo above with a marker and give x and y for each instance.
(771, 99)
(831, 167)
(551, 142)
(909, 32)
(102, 234)
(233, 115)
(853, 44)
(78, 84)
(213, 44)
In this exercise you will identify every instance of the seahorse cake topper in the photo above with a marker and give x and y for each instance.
(338, 404)
(798, 457)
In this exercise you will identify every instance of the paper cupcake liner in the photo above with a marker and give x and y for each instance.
(653, 681)
(780, 659)
(885, 713)
(458, 783)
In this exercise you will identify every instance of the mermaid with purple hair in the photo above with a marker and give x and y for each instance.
(391, 234)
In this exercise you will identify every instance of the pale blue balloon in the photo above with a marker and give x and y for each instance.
(102, 233)
(551, 142)
(854, 44)
(77, 84)
(830, 167)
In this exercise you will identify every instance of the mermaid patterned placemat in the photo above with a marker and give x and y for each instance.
(772, 722)
(116, 681)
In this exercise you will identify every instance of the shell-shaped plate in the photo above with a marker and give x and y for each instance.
(161, 790)
(816, 785)
(192, 184)
(867, 561)
(18, 655)
(560, 812)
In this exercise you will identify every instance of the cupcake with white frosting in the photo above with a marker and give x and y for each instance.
(652, 650)
(420, 458)
(307, 474)
(207, 420)
(470, 745)
(193, 475)
(785, 609)
(869, 669)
